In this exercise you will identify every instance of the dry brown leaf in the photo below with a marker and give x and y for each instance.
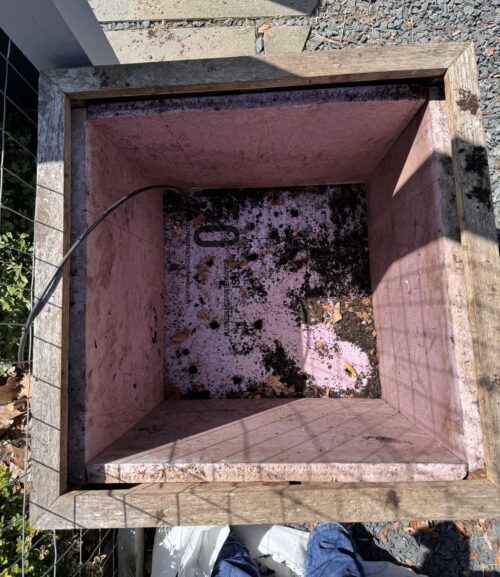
(318, 345)
(496, 561)
(327, 308)
(263, 27)
(172, 393)
(201, 275)
(461, 528)
(455, 31)
(9, 453)
(489, 51)
(365, 301)
(9, 391)
(234, 263)
(364, 316)
(350, 369)
(473, 556)
(409, 562)
(181, 336)
(278, 201)
(374, 333)
(8, 414)
(336, 316)
(12, 410)
(382, 537)
(276, 385)
(178, 230)
(201, 272)
(209, 260)
(243, 292)
(25, 387)
(477, 474)
(418, 524)
(203, 315)
(199, 220)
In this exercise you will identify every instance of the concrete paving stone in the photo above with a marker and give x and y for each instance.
(281, 39)
(115, 10)
(162, 44)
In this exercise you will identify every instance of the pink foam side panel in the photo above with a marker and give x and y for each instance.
(124, 298)
(264, 140)
(335, 440)
(422, 333)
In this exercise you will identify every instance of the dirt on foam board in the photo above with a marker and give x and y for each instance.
(268, 294)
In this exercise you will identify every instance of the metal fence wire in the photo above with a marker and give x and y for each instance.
(23, 550)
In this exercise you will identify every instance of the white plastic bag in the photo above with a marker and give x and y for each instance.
(192, 551)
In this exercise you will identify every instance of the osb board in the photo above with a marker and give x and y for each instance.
(268, 294)
(334, 440)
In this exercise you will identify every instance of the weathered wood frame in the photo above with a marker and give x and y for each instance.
(54, 504)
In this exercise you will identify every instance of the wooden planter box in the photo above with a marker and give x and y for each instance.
(409, 123)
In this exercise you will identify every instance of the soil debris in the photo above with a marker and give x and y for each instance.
(181, 336)
(291, 295)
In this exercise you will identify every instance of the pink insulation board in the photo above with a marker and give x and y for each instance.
(315, 440)
(285, 140)
(268, 294)
(420, 307)
(266, 139)
(124, 316)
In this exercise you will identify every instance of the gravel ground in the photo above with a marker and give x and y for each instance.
(444, 549)
(437, 549)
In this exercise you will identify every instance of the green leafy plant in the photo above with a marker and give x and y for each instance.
(15, 278)
(36, 558)
(39, 554)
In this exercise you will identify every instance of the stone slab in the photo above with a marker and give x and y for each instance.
(283, 39)
(238, 440)
(115, 10)
(133, 46)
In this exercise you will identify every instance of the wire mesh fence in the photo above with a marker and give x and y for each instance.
(23, 550)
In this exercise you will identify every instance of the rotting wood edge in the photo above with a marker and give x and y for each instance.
(230, 503)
